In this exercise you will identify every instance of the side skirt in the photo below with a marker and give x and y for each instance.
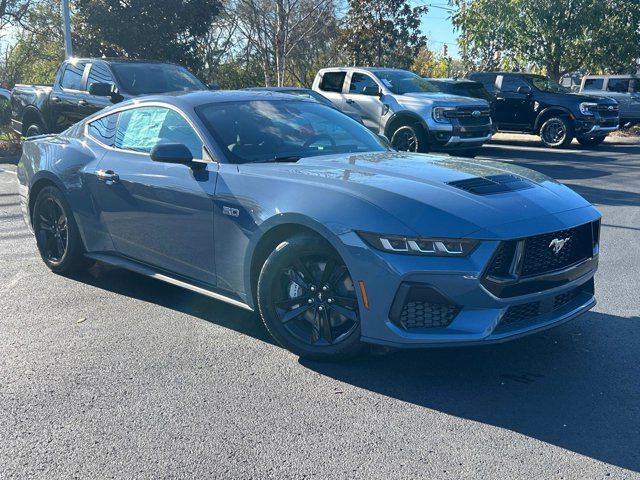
(148, 271)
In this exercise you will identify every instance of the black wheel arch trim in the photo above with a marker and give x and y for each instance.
(32, 110)
(560, 111)
(403, 114)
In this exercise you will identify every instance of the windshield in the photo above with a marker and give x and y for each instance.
(545, 84)
(147, 78)
(401, 82)
(281, 130)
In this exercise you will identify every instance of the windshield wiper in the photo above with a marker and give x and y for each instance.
(283, 159)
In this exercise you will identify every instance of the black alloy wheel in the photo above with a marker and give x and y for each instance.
(308, 300)
(556, 132)
(409, 138)
(56, 232)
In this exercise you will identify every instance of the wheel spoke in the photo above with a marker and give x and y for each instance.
(346, 302)
(336, 275)
(345, 312)
(291, 302)
(60, 247)
(325, 326)
(302, 269)
(315, 327)
(329, 267)
(293, 314)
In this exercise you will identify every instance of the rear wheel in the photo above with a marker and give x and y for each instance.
(410, 138)
(591, 141)
(56, 233)
(556, 132)
(308, 301)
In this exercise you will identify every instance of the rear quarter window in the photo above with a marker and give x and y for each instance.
(332, 81)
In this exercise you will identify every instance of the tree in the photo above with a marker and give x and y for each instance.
(557, 35)
(276, 29)
(383, 33)
(166, 30)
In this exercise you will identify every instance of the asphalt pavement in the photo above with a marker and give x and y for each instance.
(109, 374)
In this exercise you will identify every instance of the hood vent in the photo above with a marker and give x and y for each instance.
(492, 184)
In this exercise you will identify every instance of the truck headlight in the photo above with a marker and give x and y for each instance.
(585, 108)
(441, 114)
(435, 247)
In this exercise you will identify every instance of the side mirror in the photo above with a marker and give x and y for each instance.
(171, 153)
(371, 90)
(524, 90)
(101, 89)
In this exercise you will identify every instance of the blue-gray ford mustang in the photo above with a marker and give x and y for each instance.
(290, 208)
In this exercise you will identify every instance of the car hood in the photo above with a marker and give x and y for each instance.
(416, 189)
(593, 98)
(439, 99)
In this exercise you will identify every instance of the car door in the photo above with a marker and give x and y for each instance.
(618, 88)
(89, 104)
(159, 214)
(63, 100)
(513, 110)
(367, 107)
(331, 87)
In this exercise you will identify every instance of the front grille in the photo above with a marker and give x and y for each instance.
(529, 311)
(502, 260)
(427, 315)
(519, 313)
(564, 298)
(540, 255)
(466, 117)
(473, 121)
(604, 111)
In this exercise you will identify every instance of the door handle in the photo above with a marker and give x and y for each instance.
(109, 177)
(82, 103)
(350, 102)
(55, 99)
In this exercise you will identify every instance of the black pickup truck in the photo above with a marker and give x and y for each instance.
(536, 104)
(83, 86)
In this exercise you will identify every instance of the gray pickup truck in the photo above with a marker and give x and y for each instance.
(624, 89)
(83, 86)
(407, 109)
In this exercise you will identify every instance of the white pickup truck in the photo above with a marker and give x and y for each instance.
(407, 109)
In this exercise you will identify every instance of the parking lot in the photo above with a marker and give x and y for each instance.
(112, 375)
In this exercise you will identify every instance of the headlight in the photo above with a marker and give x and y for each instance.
(585, 108)
(440, 114)
(438, 247)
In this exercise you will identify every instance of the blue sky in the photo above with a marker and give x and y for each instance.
(437, 26)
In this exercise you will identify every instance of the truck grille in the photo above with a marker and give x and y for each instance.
(466, 117)
(604, 111)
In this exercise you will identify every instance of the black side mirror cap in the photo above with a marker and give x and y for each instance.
(171, 153)
(101, 89)
(371, 90)
(524, 90)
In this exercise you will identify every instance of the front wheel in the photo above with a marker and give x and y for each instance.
(307, 300)
(34, 129)
(410, 138)
(591, 141)
(556, 132)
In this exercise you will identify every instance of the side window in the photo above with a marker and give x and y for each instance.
(510, 83)
(72, 76)
(593, 84)
(140, 129)
(104, 129)
(332, 81)
(99, 73)
(635, 86)
(488, 80)
(619, 85)
(359, 81)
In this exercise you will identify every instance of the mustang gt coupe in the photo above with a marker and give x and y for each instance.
(284, 206)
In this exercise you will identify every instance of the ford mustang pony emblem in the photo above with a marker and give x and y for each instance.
(558, 243)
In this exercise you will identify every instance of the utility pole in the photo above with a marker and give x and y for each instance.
(66, 25)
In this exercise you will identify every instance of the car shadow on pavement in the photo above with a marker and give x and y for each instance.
(573, 387)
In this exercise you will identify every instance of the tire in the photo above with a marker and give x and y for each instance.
(58, 241)
(410, 138)
(556, 132)
(34, 129)
(309, 310)
(591, 141)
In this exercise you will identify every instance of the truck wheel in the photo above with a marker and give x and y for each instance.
(34, 129)
(556, 132)
(591, 141)
(410, 138)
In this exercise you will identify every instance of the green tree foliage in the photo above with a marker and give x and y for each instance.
(167, 30)
(556, 35)
(382, 33)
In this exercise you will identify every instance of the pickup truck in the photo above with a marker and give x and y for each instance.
(407, 109)
(83, 86)
(529, 103)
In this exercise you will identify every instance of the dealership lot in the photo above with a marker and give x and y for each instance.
(110, 374)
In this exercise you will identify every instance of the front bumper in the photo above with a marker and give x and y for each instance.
(479, 316)
(455, 135)
(596, 125)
